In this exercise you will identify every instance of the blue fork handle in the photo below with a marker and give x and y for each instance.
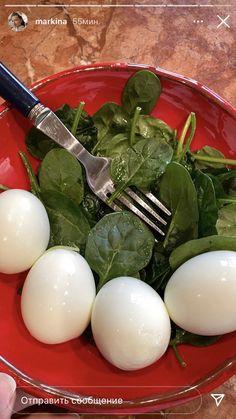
(14, 92)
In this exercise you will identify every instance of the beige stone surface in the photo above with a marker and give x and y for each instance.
(165, 37)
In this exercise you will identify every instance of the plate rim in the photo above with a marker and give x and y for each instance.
(116, 66)
(148, 403)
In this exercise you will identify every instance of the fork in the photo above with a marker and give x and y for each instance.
(97, 168)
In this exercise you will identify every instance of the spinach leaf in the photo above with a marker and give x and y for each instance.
(178, 192)
(227, 175)
(91, 206)
(226, 223)
(182, 336)
(61, 171)
(150, 127)
(118, 144)
(113, 144)
(184, 142)
(86, 132)
(208, 153)
(207, 204)
(77, 117)
(119, 244)
(66, 114)
(114, 127)
(34, 185)
(141, 165)
(141, 90)
(136, 275)
(121, 120)
(88, 335)
(109, 117)
(158, 270)
(187, 162)
(228, 181)
(219, 190)
(4, 187)
(68, 224)
(219, 186)
(232, 187)
(39, 144)
(195, 247)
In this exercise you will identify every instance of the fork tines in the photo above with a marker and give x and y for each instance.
(141, 204)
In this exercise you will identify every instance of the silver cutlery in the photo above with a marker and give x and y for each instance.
(144, 204)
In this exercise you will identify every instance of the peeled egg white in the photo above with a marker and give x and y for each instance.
(130, 323)
(201, 294)
(57, 296)
(24, 230)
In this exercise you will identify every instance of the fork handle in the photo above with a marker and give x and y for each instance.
(14, 92)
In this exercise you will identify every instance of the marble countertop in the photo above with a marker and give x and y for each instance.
(193, 41)
(183, 40)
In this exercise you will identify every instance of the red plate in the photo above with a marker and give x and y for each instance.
(75, 370)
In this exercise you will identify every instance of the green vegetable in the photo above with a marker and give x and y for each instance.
(226, 223)
(86, 131)
(133, 126)
(136, 275)
(91, 206)
(113, 145)
(195, 247)
(182, 336)
(39, 144)
(207, 204)
(68, 224)
(232, 187)
(227, 175)
(210, 157)
(119, 244)
(178, 192)
(221, 196)
(158, 270)
(141, 90)
(74, 248)
(218, 187)
(141, 165)
(34, 185)
(116, 132)
(61, 171)
(3, 187)
(77, 117)
(19, 289)
(150, 127)
(228, 181)
(181, 147)
(109, 117)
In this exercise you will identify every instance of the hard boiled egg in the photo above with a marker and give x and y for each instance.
(201, 294)
(57, 296)
(130, 323)
(24, 230)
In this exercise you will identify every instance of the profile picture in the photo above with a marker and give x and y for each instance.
(17, 21)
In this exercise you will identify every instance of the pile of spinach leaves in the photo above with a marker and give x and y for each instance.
(198, 188)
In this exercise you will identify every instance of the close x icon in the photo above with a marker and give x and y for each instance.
(223, 21)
